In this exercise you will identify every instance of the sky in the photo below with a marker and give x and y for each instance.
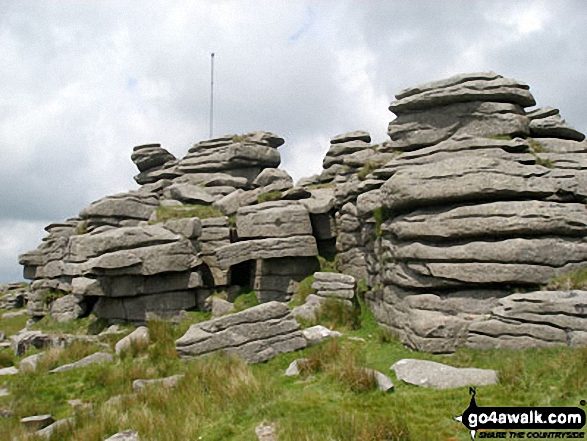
(82, 82)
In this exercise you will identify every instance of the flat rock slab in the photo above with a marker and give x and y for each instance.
(98, 357)
(48, 431)
(127, 435)
(167, 382)
(440, 376)
(295, 246)
(257, 334)
(37, 422)
(139, 335)
(8, 371)
(273, 219)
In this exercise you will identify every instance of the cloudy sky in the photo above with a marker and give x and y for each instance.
(84, 81)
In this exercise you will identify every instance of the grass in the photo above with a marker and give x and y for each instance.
(501, 137)
(14, 324)
(82, 228)
(222, 398)
(368, 168)
(51, 295)
(303, 290)
(381, 214)
(164, 213)
(245, 300)
(335, 314)
(274, 195)
(568, 281)
(328, 264)
(319, 186)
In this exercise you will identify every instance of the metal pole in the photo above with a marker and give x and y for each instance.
(212, 94)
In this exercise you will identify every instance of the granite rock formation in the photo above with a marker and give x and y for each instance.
(164, 248)
(454, 224)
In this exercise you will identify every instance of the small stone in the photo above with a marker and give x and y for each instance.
(127, 435)
(98, 357)
(266, 432)
(37, 422)
(139, 335)
(8, 371)
(4, 392)
(318, 333)
(20, 313)
(384, 383)
(294, 368)
(221, 307)
(29, 364)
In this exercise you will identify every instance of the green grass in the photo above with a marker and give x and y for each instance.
(245, 300)
(274, 195)
(368, 168)
(568, 281)
(501, 137)
(328, 264)
(335, 314)
(51, 295)
(82, 228)
(381, 214)
(303, 290)
(164, 213)
(79, 326)
(14, 324)
(535, 149)
(318, 186)
(222, 398)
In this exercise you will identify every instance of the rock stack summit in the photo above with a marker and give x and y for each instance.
(454, 224)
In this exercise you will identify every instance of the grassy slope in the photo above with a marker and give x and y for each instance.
(222, 398)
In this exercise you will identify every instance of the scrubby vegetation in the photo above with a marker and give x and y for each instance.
(367, 169)
(222, 398)
(269, 196)
(164, 213)
(567, 281)
(381, 214)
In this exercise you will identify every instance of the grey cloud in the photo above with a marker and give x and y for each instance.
(83, 82)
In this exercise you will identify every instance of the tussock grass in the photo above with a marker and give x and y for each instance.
(368, 168)
(14, 324)
(568, 281)
(338, 315)
(6, 358)
(164, 213)
(245, 300)
(222, 398)
(274, 195)
(303, 290)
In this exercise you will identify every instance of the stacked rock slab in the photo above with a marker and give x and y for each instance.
(165, 247)
(327, 286)
(347, 168)
(275, 238)
(257, 334)
(13, 295)
(473, 209)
